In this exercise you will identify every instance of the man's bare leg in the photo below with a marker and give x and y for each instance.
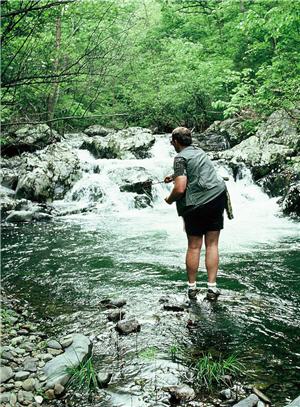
(193, 257)
(212, 255)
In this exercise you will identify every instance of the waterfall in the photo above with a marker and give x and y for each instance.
(257, 219)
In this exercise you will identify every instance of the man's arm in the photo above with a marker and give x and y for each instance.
(178, 190)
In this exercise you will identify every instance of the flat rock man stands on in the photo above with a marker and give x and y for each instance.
(200, 197)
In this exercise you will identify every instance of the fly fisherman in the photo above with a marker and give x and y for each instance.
(201, 197)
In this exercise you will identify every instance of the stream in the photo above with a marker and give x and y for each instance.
(64, 268)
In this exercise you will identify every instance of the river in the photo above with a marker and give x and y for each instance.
(65, 267)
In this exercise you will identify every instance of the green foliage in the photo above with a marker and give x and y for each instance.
(154, 63)
(83, 377)
(209, 371)
(8, 316)
(148, 353)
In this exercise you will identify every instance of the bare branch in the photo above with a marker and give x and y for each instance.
(33, 8)
(57, 119)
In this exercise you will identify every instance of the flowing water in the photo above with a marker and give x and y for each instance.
(64, 268)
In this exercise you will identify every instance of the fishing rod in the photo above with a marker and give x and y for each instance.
(150, 182)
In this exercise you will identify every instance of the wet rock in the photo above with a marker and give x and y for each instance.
(291, 202)
(58, 389)
(261, 395)
(128, 327)
(116, 315)
(174, 307)
(142, 201)
(6, 373)
(163, 300)
(108, 303)
(48, 174)
(20, 216)
(250, 401)
(103, 379)
(180, 393)
(55, 369)
(22, 375)
(294, 403)
(133, 142)
(97, 130)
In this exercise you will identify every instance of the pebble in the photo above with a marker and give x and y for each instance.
(58, 389)
(38, 399)
(53, 344)
(30, 364)
(23, 332)
(7, 355)
(180, 393)
(29, 384)
(103, 378)
(22, 375)
(225, 394)
(116, 315)
(6, 373)
(54, 352)
(127, 327)
(17, 340)
(66, 341)
(27, 346)
(24, 396)
(8, 397)
(50, 394)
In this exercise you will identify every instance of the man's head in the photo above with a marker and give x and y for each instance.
(181, 138)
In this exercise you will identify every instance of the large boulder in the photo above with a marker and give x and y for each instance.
(74, 140)
(211, 142)
(273, 156)
(97, 130)
(273, 144)
(134, 142)
(291, 201)
(56, 370)
(222, 133)
(28, 138)
(48, 174)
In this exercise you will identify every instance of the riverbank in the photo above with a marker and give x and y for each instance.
(26, 352)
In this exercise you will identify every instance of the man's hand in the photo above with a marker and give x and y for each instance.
(168, 201)
(168, 179)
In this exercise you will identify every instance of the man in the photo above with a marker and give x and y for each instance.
(200, 197)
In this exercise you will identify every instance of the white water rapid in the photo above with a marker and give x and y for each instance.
(257, 219)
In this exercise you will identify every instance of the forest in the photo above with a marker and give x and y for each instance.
(157, 63)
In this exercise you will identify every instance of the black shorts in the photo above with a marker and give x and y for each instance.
(205, 218)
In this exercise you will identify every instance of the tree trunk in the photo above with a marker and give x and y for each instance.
(54, 92)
